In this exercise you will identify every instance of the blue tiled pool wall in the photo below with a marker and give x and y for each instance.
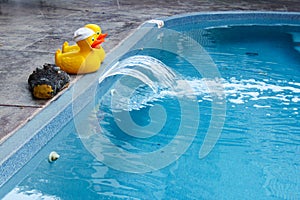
(30, 148)
(15, 162)
(24, 154)
(233, 18)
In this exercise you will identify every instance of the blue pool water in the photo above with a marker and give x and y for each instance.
(142, 136)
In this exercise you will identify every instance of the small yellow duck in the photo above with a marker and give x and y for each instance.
(99, 36)
(86, 57)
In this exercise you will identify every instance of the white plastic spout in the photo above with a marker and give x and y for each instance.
(160, 23)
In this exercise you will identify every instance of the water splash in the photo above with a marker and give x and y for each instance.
(144, 68)
(154, 81)
(245, 90)
(143, 80)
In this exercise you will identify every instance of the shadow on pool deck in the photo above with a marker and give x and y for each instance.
(32, 30)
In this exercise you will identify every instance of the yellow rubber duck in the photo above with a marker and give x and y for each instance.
(98, 34)
(87, 58)
(94, 27)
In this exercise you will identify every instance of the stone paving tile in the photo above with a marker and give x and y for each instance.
(12, 117)
(32, 30)
(14, 75)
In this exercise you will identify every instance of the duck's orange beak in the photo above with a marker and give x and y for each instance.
(100, 40)
(102, 37)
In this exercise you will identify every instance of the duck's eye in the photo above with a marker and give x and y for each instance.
(93, 39)
(98, 33)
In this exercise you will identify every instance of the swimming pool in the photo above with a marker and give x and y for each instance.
(205, 107)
